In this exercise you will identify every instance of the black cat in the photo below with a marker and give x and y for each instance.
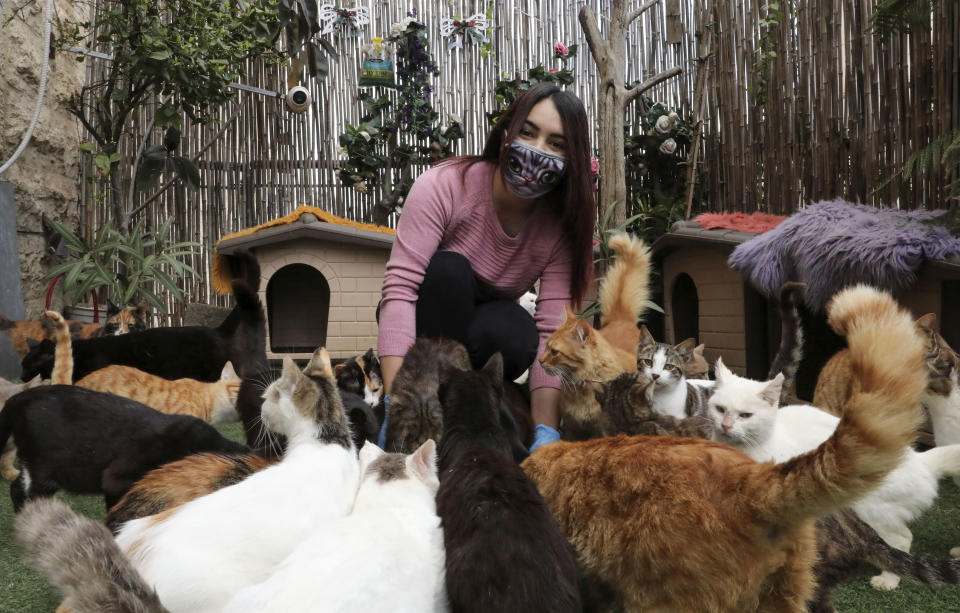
(90, 442)
(504, 549)
(197, 352)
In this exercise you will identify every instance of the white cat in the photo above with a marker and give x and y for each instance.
(198, 556)
(745, 416)
(386, 556)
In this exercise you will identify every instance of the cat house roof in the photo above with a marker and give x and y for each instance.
(306, 222)
(686, 233)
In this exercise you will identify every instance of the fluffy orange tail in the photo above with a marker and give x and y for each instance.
(625, 289)
(63, 358)
(879, 420)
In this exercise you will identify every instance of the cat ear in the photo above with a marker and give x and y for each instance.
(112, 309)
(927, 322)
(771, 393)
(423, 461)
(319, 364)
(685, 348)
(583, 330)
(494, 368)
(698, 350)
(290, 372)
(339, 367)
(720, 371)
(568, 315)
(32, 343)
(228, 373)
(646, 339)
(38, 380)
(368, 453)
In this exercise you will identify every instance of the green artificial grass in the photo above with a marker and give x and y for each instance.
(24, 591)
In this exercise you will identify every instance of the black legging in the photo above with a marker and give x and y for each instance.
(453, 304)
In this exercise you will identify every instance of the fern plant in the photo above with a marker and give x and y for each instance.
(942, 152)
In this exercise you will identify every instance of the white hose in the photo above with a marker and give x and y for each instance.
(43, 87)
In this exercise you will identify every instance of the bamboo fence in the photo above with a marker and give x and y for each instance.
(844, 109)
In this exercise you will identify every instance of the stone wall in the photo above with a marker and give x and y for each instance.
(45, 178)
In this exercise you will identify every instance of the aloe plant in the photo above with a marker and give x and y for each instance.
(125, 268)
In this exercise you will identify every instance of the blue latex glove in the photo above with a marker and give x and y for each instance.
(544, 435)
(382, 437)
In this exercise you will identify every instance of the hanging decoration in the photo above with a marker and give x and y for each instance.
(346, 22)
(377, 69)
(455, 31)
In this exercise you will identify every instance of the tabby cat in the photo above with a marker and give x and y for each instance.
(665, 365)
(627, 402)
(212, 402)
(583, 356)
(504, 550)
(9, 455)
(196, 560)
(26, 334)
(81, 559)
(745, 538)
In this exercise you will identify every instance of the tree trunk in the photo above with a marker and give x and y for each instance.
(613, 180)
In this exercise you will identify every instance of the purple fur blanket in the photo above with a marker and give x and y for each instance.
(833, 244)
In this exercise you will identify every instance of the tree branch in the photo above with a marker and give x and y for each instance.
(643, 8)
(634, 92)
(595, 40)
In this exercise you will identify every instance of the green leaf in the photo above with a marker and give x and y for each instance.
(89, 147)
(161, 55)
(187, 171)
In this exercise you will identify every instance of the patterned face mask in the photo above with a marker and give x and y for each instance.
(532, 172)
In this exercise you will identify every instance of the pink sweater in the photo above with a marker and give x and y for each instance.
(448, 210)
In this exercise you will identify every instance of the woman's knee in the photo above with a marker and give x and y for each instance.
(448, 271)
(505, 327)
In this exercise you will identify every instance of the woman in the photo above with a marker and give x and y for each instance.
(478, 231)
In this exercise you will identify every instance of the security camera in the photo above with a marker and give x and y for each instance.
(298, 99)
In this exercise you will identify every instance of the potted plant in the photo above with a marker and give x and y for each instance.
(122, 269)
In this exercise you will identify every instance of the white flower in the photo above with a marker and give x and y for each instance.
(453, 118)
(664, 124)
(673, 115)
(365, 136)
(668, 146)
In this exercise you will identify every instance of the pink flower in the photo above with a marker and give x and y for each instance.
(595, 166)
(552, 70)
(560, 49)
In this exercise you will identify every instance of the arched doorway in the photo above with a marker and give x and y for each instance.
(686, 309)
(298, 307)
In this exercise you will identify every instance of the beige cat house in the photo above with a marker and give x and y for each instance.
(321, 277)
(706, 299)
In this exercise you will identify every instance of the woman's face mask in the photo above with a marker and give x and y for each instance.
(532, 172)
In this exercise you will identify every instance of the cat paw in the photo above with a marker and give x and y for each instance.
(885, 581)
(955, 552)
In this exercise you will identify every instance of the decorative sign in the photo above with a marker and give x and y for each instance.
(457, 30)
(344, 21)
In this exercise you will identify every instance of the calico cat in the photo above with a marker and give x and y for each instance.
(212, 402)
(843, 540)
(91, 443)
(80, 558)
(196, 352)
(196, 560)
(360, 375)
(26, 334)
(745, 538)
(746, 416)
(9, 454)
(387, 555)
(175, 483)
(504, 550)
(583, 356)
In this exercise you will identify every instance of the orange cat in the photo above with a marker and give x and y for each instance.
(834, 385)
(212, 402)
(683, 524)
(583, 356)
(129, 319)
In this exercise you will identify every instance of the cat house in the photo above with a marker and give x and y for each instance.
(704, 298)
(320, 281)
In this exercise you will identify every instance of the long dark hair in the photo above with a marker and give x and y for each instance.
(572, 201)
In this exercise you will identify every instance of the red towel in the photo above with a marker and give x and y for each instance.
(755, 222)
